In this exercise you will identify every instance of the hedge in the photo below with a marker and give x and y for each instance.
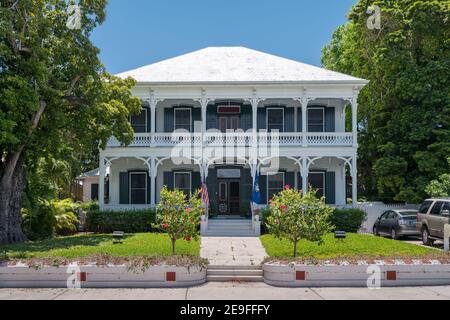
(348, 220)
(127, 221)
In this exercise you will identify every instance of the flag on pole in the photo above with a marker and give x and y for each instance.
(256, 196)
(205, 196)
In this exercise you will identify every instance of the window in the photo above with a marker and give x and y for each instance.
(139, 122)
(446, 206)
(316, 120)
(182, 181)
(94, 191)
(437, 208)
(183, 119)
(317, 182)
(275, 184)
(138, 187)
(275, 119)
(384, 216)
(223, 191)
(425, 207)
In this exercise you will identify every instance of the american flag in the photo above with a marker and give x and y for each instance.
(205, 196)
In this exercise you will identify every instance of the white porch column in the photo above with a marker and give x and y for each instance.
(305, 174)
(101, 183)
(354, 181)
(355, 119)
(153, 103)
(304, 102)
(153, 174)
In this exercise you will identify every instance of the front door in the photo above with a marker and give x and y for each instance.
(229, 196)
(227, 123)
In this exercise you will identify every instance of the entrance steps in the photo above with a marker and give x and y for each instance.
(235, 273)
(229, 228)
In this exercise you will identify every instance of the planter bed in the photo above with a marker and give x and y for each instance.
(347, 274)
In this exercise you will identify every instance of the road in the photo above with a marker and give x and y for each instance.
(230, 291)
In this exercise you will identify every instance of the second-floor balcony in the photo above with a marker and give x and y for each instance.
(238, 139)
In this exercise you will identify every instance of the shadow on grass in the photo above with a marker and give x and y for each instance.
(59, 243)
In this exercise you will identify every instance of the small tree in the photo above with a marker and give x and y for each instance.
(179, 215)
(295, 217)
(441, 186)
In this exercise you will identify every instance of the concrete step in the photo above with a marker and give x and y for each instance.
(235, 278)
(235, 273)
(228, 234)
(222, 267)
(230, 229)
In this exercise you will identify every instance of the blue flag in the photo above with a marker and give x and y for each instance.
(256, 196)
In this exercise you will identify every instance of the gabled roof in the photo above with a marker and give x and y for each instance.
(92, 173)
(234, 65)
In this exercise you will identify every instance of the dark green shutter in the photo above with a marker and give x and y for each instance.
(330, 120)
(263, 188)
(262, 119)
(211, 183)
(124, 193)
(246, 117)
(196, 116)
(149, 195)
(300, 181)
(211, 117)
(299, 120)
(196, 181)
(168, 180)
(168, 120)
(330, 186)
(290, 179)
(149, 120)
(289, 121)
(246, 187)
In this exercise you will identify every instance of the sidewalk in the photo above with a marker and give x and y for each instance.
(229, 251)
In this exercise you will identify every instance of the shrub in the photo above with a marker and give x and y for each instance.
(49, 218)
(295, 217)
(348, 220)
(178, 215)
(127, 221)
(264, 215)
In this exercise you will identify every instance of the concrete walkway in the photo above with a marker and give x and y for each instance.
(229, 251)
(230, 291)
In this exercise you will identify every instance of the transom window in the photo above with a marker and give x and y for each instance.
(183, 182)
(275, 119)
(139, 122)
(317, 182)
(316, 120)
(138, 187)
(183, 119)
(275, 184)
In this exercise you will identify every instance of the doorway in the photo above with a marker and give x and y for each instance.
(229, 196)
(227, 123)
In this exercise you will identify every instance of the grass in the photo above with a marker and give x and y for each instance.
(84, 246)
(355, 247)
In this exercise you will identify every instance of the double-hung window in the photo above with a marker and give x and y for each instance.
(138, 187)
(316, 119)
(275, 119)
(183, 119)
(317, 182)
(139, 122)
(183, 182)
(275, 184)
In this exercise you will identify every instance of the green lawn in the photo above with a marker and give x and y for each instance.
(355, 247)
(142, 244)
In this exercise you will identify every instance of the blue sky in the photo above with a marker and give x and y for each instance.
(140, 32)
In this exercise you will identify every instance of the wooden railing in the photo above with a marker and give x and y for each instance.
(242, 139)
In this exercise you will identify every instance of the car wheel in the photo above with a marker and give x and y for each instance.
(375, 231)
(394, 234)
(426, 237)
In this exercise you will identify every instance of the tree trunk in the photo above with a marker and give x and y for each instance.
(12, 185)
(173, 246)
(295, 248)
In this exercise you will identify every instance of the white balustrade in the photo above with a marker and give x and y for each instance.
(240, 139)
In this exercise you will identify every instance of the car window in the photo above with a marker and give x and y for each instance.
(436, 210)
(446, 206)
(384, 215)
(392, 215)
(425, 207)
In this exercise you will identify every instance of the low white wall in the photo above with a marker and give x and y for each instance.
(101, 277)
(355, 275)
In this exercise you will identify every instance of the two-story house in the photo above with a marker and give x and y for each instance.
(225, 114)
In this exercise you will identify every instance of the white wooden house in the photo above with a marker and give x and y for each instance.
(222, 114)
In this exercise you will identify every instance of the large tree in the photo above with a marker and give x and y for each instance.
(55, 96)
(405, 110)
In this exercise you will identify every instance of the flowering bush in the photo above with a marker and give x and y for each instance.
(295, 216)
(179, 215)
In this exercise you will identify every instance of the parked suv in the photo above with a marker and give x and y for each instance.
(433, 215)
